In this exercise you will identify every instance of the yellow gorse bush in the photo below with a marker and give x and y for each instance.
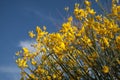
(87, 47)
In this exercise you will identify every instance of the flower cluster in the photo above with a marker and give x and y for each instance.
(88, 49)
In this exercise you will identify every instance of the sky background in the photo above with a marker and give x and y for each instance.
(17, 17)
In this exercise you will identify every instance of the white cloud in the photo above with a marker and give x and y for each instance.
(27, 44)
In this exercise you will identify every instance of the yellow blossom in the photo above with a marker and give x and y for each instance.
(57, 49)
(76, 11)
(86, 40)
(87, 3)
(92, 12)
(118, 39)
(105, 69)
(44, 28)
(82, 14)
(106, 41)
(44, 50)
(25, 50)
(33, 62)
(62, 45)
(93, 56)
(99, 17)
(54, 76)
(114, 10)
(70, 19)
(118, 8)
(21, 63)
(32, 76)
(77, 5)
(118, 61)
(38, 29)
(31, 34)
(66, 25)
(49, 78)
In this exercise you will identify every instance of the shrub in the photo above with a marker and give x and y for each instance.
(87, 47)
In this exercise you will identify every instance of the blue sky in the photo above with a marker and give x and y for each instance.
(17, 17)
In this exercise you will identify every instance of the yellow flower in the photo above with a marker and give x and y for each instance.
(70, 18)
(58, 36)
(105, 69)
(22, 63)
(106, 41)
(82, 13)
(31, 34)
(54, 76)
(93, 56)
(99, 17)
(87, 3)
(44, 50)
(38, 29)
(77, 5)
(49, 78)
(66, 25)
(118, 61)
(118, 9)
(87, 40)
(76, 11)
(114, 10)
(25, 50)
(92, 12)
(62, 45)
(33, 62)
(32, 76)
(118, 39)
(57, 49)
(44, 28)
